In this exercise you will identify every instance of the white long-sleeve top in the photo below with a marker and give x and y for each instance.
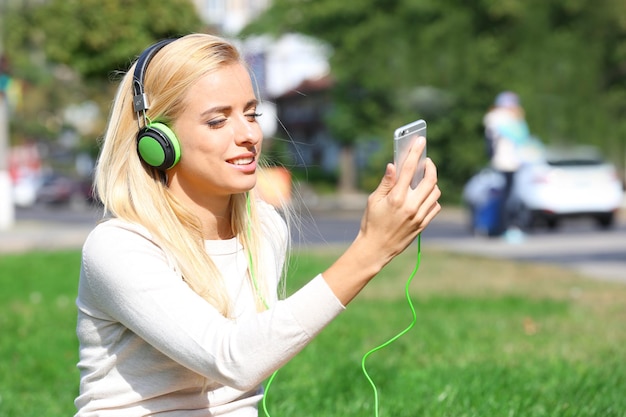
(149, 345)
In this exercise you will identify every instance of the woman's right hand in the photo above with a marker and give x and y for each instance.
(394, 216)
(395, 213)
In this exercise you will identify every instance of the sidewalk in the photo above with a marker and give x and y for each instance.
(599, 257)
(29, 235)
(34, 235)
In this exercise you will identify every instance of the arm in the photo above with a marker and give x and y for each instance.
(127, 279)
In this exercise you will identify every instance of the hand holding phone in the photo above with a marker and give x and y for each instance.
(403, 138)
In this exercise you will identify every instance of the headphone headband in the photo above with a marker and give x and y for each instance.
(157, 145)
(140, 100)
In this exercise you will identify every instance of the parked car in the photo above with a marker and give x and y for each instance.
(25, 191)
(563, 183)
(58, 189)
(568, 182)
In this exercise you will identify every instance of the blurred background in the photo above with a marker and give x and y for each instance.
(336, 79)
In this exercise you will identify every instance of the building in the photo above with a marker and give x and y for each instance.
(229, 16)
(301, 111)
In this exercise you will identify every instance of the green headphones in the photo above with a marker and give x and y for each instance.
(157, 144)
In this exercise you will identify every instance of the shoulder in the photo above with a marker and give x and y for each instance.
(498, 116)
(116, 240)
(271, 219)
(116, 232)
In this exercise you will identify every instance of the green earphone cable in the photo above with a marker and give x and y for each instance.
(267, 388)
(396, 337)
(387, 343)
(256, 289)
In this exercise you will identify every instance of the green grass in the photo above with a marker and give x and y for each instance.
(492, 338)
(38, 348)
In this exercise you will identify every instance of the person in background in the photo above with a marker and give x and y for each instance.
(179, 312)
(507, 134)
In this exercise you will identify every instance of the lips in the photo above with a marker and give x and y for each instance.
(241, 161)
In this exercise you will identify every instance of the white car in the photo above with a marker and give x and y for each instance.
(573, 182)
(25, 190)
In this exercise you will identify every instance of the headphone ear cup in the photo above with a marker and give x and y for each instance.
(158, 146)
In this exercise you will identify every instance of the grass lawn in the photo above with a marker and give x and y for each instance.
(492, 338)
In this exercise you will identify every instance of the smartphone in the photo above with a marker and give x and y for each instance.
(403, 137)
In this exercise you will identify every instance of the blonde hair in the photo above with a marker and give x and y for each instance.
(134, 192)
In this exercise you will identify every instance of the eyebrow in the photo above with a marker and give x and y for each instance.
(226, 109)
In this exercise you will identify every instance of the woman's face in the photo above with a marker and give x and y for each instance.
(219, 136)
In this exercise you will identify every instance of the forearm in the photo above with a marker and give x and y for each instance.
(354, 269)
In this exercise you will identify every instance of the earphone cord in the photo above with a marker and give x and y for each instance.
(256, 289)
(396, 337)
(387, 343)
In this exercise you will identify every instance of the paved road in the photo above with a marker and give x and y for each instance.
(578, 245)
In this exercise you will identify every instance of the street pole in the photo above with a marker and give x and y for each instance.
(7, 210)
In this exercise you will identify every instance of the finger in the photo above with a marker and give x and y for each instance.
(430, 170)
(433, 210)
(386, 183)
(428, 183)
(410, 163)
(429, 202)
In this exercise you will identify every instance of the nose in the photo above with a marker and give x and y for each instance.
(247, 133)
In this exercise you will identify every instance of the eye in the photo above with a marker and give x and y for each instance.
(253, 116)
(216, 123)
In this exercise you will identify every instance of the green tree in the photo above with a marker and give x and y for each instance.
(353, 31)
(445, 60)
(94, 37)
(67, 51)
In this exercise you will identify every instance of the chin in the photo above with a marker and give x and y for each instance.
(244, 188)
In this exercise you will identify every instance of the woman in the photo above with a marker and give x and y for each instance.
(178, 309)
(508, 137)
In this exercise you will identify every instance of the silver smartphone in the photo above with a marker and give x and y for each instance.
(403, 137)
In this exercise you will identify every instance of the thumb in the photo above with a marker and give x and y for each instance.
(388, 181)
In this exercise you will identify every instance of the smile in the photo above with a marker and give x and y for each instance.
(241, 161)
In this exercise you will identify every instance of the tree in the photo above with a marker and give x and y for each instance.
(94, 37)
(359, 77)
(66, 51)
(445, 60)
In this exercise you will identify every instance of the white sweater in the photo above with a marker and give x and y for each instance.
(149, 344)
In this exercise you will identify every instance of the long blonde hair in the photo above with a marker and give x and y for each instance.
(134, 192)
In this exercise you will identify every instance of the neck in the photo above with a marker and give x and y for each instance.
(214, 214)
(215, 220)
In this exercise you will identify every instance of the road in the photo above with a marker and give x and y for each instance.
(578, 244)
